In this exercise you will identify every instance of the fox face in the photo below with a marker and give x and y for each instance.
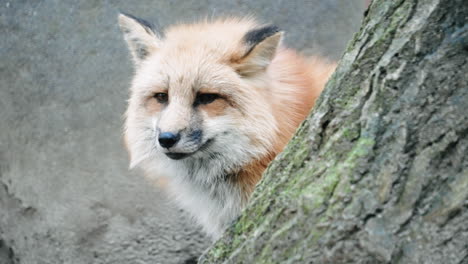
(211, 104)
(200, 96)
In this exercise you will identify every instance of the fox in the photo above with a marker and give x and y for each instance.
(211, 104)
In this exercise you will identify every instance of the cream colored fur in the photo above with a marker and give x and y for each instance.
(266, 91)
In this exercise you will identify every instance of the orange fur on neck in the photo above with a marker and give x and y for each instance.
(303, 80)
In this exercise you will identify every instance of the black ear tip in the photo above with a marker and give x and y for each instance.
(122, 13)
(147, 25)
(256, 36)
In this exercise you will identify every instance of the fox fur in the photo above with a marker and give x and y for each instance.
(233, 95)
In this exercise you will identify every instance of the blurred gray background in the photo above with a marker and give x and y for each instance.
(66, 195)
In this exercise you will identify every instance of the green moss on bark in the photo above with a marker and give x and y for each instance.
(380, 161)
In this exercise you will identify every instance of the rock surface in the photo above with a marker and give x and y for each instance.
(66, 195)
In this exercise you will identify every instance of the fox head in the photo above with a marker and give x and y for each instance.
(200, 94)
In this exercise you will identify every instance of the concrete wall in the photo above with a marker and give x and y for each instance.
(66, 195)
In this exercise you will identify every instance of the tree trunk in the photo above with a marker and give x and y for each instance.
(378, 173)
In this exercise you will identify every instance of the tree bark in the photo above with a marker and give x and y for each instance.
(378, 173)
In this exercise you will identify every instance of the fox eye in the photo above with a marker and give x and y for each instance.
(161, 97)
(206, 98)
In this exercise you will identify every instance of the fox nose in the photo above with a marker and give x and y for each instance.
(168, 139)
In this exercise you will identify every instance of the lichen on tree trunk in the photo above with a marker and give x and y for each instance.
(378, 173)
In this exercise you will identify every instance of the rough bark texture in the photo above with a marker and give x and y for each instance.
(379, 172)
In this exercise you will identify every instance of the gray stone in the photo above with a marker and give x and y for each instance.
(66, 194)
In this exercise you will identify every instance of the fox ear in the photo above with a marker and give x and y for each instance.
(140, 35)
(261, 48)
